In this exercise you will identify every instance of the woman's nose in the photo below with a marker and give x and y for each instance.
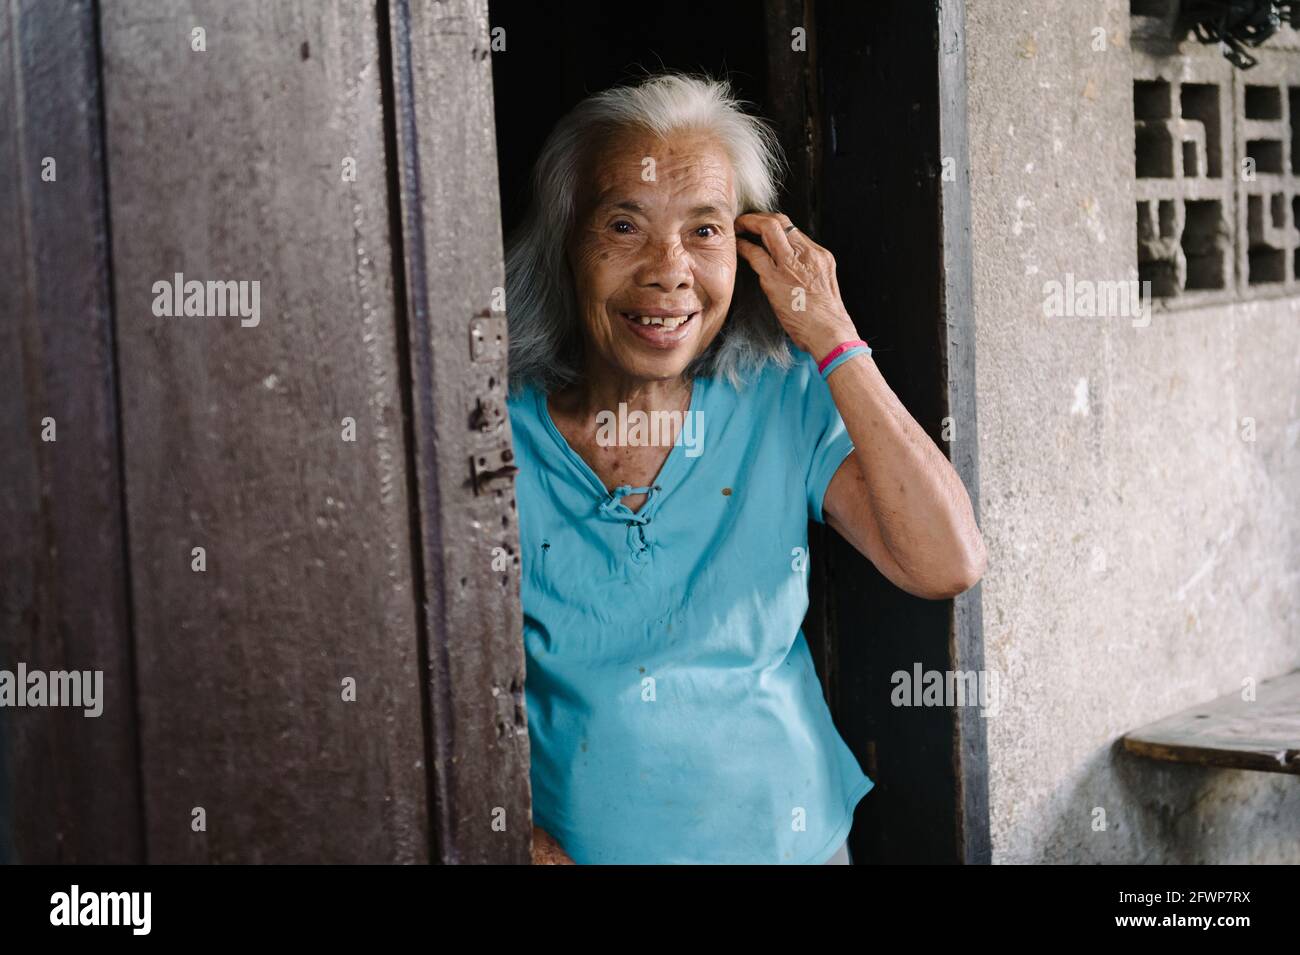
(666, 264)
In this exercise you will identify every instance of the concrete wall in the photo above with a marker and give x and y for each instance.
(1143, 556)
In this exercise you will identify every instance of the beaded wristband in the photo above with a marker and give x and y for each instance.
(840, 354)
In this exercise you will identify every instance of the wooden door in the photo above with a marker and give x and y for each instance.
(285, 536)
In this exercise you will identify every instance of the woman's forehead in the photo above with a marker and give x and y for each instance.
(690, 195)
(638, 171)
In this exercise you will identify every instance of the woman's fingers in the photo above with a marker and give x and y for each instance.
(798, 278)
(756, 256)
(772, 231)
(771, 226)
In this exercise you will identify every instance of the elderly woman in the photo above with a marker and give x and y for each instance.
(674, 713)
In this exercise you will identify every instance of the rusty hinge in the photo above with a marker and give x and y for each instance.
(488, 415)
(490, 466)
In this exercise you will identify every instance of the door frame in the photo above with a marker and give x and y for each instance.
(861, 157)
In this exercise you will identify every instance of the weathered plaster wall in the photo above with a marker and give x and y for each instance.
(1143, 556)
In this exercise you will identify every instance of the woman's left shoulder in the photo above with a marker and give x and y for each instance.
(775, 399)
(803, 370)
(774, 376)
(792, 384)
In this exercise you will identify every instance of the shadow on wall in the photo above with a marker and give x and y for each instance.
(1160, 813)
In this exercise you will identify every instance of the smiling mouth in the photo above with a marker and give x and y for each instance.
(662, 331)
(668, 322)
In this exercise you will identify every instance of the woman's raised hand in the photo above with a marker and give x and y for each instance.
(798, 277)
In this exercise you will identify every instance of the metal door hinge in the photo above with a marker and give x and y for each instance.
(491, 466)
(487, 338)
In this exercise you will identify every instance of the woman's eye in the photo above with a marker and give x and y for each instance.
(712, 230)
(623, 222)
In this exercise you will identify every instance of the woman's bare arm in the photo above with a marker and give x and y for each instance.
(896, 497)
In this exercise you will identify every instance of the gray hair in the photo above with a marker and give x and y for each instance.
(545, 334)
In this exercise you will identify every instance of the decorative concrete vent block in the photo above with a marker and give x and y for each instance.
(1216, 166)
(1184, 199)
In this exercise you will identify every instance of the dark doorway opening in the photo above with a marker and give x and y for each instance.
(557, 53)
(867, 108)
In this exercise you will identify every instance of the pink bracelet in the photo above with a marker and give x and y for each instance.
(837, 351)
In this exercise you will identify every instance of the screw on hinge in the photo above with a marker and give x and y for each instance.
(492, 466)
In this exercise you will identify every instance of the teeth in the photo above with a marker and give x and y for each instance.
(669, 322)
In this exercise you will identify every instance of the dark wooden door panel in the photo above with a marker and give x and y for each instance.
(68, 782)
(469, 537)
(230, 164)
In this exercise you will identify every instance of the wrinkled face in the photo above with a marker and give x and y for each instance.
(654, 260)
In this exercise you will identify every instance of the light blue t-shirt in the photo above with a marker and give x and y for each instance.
(674, 713)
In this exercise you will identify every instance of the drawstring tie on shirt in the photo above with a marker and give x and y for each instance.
(612, 507)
